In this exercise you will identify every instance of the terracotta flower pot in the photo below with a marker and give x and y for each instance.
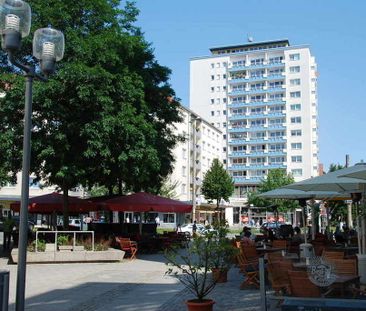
(197, 305)
(220, 276)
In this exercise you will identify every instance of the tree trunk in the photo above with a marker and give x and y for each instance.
(110, 190)
(119, 187)
(65, 191)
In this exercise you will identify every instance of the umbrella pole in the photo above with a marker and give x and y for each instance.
(304, 224)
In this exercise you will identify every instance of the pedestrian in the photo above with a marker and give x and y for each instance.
(157, 220)
(194, 228)
(9, 225)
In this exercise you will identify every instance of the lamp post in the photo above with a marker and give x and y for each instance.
(48, 47)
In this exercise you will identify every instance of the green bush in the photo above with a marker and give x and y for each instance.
(41, 246)
(63, 240)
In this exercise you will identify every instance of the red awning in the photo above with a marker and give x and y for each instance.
(146, 202)
(53, 202)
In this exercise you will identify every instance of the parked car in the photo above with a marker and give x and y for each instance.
(75, 223)
(189, 228)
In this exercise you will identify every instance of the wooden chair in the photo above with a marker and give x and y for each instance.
(279, 280)
(250, 252)
(130, 247)
(274, 257)
(250, 271)
(279, 244)
(330, 255)
(345, 266)
(301, 286)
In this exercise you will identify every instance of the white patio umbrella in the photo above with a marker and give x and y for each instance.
(336, 181)
(357, 171)
(285, 193)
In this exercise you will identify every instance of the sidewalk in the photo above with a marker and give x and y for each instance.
(129, 286)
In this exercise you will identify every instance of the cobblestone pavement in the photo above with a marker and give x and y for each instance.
(136, 285)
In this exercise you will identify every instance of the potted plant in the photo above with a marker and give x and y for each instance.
(192, 268)
(223, 251)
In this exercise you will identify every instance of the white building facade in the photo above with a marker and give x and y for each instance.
(194, 156)
(264, 98)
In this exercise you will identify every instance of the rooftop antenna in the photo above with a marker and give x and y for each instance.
(250, 38)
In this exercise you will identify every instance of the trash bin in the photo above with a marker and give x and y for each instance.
(4, 290)
(306, 250)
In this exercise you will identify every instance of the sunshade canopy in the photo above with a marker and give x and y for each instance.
(330, 182)
(146, 202)
(53, 202)
(358, 171)
(284, 193)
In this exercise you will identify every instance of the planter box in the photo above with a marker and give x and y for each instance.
(111, 255)
(63, 248)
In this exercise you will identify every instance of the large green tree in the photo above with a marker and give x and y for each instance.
(276, 178)
(217, 183)
(106, 117)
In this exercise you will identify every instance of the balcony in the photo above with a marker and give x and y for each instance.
(247, 180)
(234, 142)
(236, 154)
(256, 66)
(276, 89)
(266, 153)
(247, 79)
(246, 104)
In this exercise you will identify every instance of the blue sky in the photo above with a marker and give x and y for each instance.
(334, 29)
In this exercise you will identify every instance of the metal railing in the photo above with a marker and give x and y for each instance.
(56, 233)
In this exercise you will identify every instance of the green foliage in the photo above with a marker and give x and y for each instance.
(217, 183)
(192, 268)
(276, 178)
(106, 117)
(168, 189)
(41, 246)
(63, 240)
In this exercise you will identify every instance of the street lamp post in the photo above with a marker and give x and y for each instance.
(48, 47)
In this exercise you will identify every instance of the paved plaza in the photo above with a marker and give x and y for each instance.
(130, 286)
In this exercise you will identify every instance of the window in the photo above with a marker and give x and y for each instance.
(224, 76)
(224, 88)
(224, 112)
(296, 133)
(224, 149)
(217, 65)
(169, 218)
(212, 89)
(217, 89)
(295, 107)
(296, 146)
(294, 69)
(217, 77)
(224, 136)
(212, 101)
(218, 112)
(224, 124)
(212, 113)
(218, 124)
(212, 65)
(224, 100)
(224, 64)
(184, 171)
(212, 77)
(295, 56)
(294, 82)
(295, 94)
(296, 159)
(295, 120)
(184, 153)
(297, 172)
(217, 100)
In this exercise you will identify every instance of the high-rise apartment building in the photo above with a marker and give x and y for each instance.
(263, 96)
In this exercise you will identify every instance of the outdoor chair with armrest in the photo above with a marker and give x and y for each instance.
(344, 266)
(250, 252)
(301, 286)
(129, 247)
(329, 255)
(279, 244)
(250, 270)
(278, 278)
